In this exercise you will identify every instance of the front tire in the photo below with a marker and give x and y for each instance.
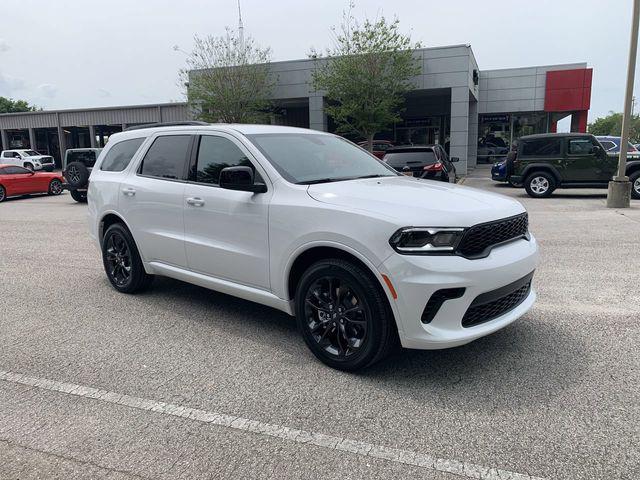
(55, 187)
(540, 184)
(343, 315)
(634, 178)
(80, 197)
(28, 166)
(3, 194)
(122, 262)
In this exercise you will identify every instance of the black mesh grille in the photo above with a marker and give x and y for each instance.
(482, 310)
(479, 239)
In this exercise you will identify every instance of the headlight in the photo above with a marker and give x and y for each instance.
(426, 240)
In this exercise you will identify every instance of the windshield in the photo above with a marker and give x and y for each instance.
(31, 153)
(401, 159)
(309, 158)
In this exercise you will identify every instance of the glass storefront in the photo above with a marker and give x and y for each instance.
(422, 131)
(497, 132)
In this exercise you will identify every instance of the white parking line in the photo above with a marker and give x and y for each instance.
(407, 457)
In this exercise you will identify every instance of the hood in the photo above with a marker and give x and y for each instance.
(409, 201)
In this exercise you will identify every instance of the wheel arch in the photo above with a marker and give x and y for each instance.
(544, 167)
(306, 257)
(633, 167)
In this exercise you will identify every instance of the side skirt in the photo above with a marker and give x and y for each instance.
(223, 286)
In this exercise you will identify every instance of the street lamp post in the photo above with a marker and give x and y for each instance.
(619, 195)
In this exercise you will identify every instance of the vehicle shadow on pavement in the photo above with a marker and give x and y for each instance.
(526, 363)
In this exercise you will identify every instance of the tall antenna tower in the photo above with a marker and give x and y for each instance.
(240, 27)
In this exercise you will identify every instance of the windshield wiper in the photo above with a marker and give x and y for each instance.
(322, 180)
(375, 175)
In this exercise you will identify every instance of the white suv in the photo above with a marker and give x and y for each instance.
(29, 159)
(310, 224)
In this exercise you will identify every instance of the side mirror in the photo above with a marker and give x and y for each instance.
(596, 149)
(454, 159)
(240, 178)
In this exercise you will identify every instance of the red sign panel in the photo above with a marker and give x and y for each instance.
(568, 90)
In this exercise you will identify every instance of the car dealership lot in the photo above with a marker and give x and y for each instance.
(553, 395)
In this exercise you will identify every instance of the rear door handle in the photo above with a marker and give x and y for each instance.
(195, 201)
(128, 191)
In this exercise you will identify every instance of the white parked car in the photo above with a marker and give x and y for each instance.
(28, 159)
(310, 224)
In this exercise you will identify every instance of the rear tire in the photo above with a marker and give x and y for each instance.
(634, 178)
(343, 315)
(55, 187)
(122, 261)
(80, 197)
(3, 194)
(540, 184)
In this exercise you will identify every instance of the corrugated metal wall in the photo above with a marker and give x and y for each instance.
(171, 112)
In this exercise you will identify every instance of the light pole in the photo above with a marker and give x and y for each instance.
(619, 195)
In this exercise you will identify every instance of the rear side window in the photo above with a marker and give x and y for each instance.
(607, 145)
(214, 154)
(544, 147)
(166, 157)
(119, 156)
(401, 159)
(580, 146)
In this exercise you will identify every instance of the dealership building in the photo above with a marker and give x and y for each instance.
(476, 114)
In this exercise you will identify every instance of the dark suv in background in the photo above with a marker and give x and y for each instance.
(426, 161)
(76, 168)
(548, 161)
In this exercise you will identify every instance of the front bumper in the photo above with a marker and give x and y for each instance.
(416, 278)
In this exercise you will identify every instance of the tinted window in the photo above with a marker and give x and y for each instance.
(543, 147)
(607, 145)
(118, 156)
(580, 146)
(88, 157)
(400, 159)
(214, 154)
(166, 157)
(15, 170)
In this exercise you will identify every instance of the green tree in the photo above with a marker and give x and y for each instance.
(612, 125)
(8, 105)
(228, 79)
(365, 75)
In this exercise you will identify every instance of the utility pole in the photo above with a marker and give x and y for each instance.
(240, 28)
(619, 195)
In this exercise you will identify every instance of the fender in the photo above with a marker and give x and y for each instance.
(373, 268)
(541, 166)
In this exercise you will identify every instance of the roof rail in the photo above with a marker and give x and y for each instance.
(165, 124)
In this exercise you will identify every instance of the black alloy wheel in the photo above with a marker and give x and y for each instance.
(122, 262)
(118, 259)
(343, 315)
(3, 193)
(336, 318)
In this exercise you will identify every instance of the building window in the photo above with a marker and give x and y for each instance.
(494, 137)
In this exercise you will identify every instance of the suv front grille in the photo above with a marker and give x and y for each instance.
(493, 304)
(478, 240)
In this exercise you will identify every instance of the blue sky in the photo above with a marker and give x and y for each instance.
(84, 53)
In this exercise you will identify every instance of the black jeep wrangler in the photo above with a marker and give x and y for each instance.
(566, 160)
(76, 167)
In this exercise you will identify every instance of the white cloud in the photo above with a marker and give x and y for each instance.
(10, 85)
(48, 90)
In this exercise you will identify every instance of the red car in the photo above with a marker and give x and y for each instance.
(16, 180)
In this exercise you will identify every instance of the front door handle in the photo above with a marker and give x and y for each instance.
(128, 191)
(195, 201)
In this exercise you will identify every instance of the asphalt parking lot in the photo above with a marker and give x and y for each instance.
(181, 382)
